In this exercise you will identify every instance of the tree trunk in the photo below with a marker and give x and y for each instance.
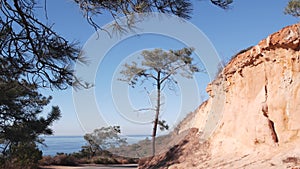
(156, 113)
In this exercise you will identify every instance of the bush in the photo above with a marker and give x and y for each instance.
(59, 159)
(75, 159)
(46, 160)
(83, 161)
(105, 160)
(64, 159)
(22, 156)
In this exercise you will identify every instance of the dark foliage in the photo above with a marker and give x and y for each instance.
(293, 8)
(20, 120)
(120, 8)
(32, 49)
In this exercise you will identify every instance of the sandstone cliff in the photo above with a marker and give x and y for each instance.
(252, 118)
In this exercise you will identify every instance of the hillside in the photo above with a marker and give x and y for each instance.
(251, 119)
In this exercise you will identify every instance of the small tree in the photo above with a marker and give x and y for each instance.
(160, 67)
(102, 139)
(293, 8)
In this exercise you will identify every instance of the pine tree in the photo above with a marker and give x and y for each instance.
(293, 8)
(121, 8)
(160, 67)
(21, 122)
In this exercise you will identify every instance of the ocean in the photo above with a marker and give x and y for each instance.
(70, 144)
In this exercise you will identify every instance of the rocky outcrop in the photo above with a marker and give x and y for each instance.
(262, 94)
(252, 118)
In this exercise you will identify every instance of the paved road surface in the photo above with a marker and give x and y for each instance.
(123, 166)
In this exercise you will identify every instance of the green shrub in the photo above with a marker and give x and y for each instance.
(65, 160)
(22, 156)
(105, 160)
(46, 160)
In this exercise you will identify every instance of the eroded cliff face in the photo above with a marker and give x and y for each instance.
(252, 118)
(262, 94)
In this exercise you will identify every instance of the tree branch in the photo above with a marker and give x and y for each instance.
(171, 73)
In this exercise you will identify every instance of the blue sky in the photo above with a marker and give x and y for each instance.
(230, 31)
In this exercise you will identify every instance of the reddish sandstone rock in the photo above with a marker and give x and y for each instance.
(252, 118)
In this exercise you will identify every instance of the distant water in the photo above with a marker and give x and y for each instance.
(70, 144)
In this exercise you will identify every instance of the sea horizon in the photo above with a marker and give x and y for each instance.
(71, 144)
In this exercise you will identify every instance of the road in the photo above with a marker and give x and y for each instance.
(119, 166)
